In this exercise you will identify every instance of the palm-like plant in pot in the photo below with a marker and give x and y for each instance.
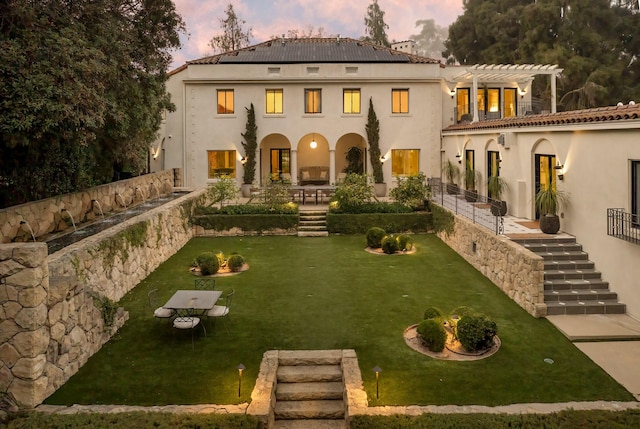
(496, 186)
(548, 202)
(471, 176)
(451, 172)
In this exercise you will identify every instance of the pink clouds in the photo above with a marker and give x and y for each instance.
(269, 18)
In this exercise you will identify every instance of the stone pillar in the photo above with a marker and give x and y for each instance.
(24, 334)
(332, 166)
(294, 167)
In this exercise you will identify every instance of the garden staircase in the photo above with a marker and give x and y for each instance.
(313, 223)
(310, 390)
(572, 285)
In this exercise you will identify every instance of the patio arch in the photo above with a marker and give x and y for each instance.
(274, 158)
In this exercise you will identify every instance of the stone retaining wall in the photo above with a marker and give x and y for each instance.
(47, 216)
(51, 306)
(516, 271)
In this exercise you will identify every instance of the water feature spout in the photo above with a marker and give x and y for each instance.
(97, 203)
(72, 221)
(121, 201)
(141, 193)
(169, 186)
(155, 187)
(24, 222)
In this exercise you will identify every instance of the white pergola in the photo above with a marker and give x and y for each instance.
(522, 74)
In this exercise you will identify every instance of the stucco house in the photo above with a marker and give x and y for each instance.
(311, 98)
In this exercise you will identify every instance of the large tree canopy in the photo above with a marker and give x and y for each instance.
(233, 36)
(376, 28)
(596, 42)
(82, 90)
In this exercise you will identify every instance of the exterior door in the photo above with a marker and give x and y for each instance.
(635, 193)
(462, 104)
(545, 174)
(280, 163)
(493, 165)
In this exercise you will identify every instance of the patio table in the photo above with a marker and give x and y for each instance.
(193, 300)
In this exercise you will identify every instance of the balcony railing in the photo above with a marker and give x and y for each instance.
(464, 114)
(469, 204)
(622, 225)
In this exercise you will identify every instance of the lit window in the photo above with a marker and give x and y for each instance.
(405, 162)
(274, 101)
(225, 101)
(351, 101)
(312, 101)
(222, 163)
(509, 102)
(399, 101)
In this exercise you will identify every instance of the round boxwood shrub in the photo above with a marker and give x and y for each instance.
(476, 332)
(405, 242)
(432, 313)
(208, 263)
(389, 244)
(375, 236)
(235, 262)
(432, 334)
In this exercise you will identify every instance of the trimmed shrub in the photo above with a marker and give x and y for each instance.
(432, 313)
(476, 332)
(208, 263)
(405, 242)
(432, 334)
(389, 245)
(375, 236)
(235, 262)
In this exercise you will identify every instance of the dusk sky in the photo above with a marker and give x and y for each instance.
(267, 18)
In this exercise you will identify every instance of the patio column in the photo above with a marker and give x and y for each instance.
(553, 93)
(474, 97)
(294, 167)
(332, 166)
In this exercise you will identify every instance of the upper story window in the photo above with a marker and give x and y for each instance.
(351, 101)
(274, 101)
(399, 101)
(405, 162)
(225, 101)
(222, 163)
(312, 101)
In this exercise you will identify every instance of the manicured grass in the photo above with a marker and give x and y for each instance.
(328, 293)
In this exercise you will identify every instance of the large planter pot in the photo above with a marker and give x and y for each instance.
(245, 189)
(471, 195)
(549, 224)
(452, 189)
(380, 189)
(498, 208)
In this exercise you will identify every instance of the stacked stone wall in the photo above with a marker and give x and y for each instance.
(51, 306)
(54, 215)
(518, 272)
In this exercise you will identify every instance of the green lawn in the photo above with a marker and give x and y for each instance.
(328, 293)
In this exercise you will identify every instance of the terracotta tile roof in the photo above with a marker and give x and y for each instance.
(314, 50)
(600, 114)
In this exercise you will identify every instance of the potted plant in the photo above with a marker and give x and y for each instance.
(452, 173)
(354, 161)
(496, 185)
(373, 136)
(250, 145)
(548, 201)
(470, 178)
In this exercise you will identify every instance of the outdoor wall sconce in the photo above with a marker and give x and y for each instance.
(377, 370)
(313, 143)
(243, 160)
(559, 167)
(452, 93)
(383, 158)
(240, 368)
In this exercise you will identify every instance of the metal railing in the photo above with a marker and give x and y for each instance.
(468, 204)
(623, 225)
(464, 113)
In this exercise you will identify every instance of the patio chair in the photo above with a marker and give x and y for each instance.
(223, 310)
(186, 320)
(205, 284)
(159, 312)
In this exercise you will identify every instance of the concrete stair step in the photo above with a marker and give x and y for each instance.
(572, 274)
(309, 357)
(308, 373)
(312, 223)
(309, 391)
(553, 247)
(565, 256)
(580, 307)
(294, 410)
(310, 424)
(575, 284)
(312, 227)
(552, 265)
(313, 233)
(577, 295)
(313, 217)
(567, 239)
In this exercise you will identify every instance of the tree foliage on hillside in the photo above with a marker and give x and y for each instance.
(233, 34)
(430, 40)
(82, 90)
(375, 27)
(596, 42)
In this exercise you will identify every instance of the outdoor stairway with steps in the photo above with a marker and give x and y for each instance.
(572, 285)
(313, 223)
(310, 391)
